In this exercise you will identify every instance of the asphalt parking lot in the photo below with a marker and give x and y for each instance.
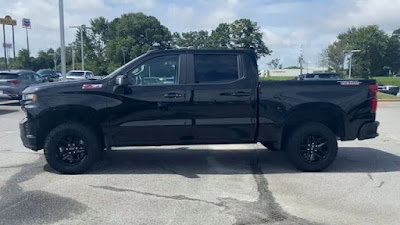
(208, 184)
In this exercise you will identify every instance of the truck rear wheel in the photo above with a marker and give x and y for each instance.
(312, 147)
(71, 148)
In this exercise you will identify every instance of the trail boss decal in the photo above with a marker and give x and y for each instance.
(349, 82)
(92, 86)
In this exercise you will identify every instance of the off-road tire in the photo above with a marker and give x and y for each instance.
(51, 148)
(294, 145)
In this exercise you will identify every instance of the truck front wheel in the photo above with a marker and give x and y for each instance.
(71, 148)
(312, 147)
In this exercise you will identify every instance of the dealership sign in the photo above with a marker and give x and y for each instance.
(7, 20)
(26, 23)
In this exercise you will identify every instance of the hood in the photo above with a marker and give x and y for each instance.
(61, 86)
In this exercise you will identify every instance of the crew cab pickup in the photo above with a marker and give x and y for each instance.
(188, 96)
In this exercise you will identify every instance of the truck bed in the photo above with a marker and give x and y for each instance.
(282, 102)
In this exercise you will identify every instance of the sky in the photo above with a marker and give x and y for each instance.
(286, 24)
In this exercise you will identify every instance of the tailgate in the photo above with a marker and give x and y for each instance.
(5, 79)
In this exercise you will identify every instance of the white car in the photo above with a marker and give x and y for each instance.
(79, 75)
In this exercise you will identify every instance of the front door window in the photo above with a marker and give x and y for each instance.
(161, 70)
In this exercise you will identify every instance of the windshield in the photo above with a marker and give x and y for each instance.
(44, 72)
(120, 69)
(8, 76)
(75, 74)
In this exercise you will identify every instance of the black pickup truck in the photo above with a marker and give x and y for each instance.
(187, 96)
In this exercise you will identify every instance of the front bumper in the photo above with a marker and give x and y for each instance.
(368, 130)
(27, 135)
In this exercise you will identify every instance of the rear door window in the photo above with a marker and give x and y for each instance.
(26, 77)
(8, 76)
(209, 68)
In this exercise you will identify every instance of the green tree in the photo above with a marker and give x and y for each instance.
(221, 37)
(108, 43)
(241, 34)
(274, 64)
(134, 34)
(334, 55)
(372, 42)
(246, 34)
(392, 53)
(44, 60)
(23, 61)
(194, 39)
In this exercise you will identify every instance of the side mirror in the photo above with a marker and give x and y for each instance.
(121, 85)
(122, 80)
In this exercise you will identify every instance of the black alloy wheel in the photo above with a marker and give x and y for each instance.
(311, 147)
(72, 149)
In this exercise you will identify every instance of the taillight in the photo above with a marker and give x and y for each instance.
(13, 81)
(374, 89)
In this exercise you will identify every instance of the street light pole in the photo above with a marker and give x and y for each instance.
(351, 56)
(73, 57)
(54, 60)
(81, 29)
(123, 52)
(82, 53)
(62, 39)
(350, 59)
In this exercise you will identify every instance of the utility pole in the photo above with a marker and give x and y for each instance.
(27, 40)
(4, 46)
(81, 28)
(123, 52)
(350, 59)
(54, 60)
(351, 56)
(13, 43)
(73, 57)
(82, 51)
(26, 23)
(62, 39)
(301, 59)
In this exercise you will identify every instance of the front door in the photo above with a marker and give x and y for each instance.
(152, 109)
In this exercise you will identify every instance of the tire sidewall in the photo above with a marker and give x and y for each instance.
(51, 148)
(298, 136)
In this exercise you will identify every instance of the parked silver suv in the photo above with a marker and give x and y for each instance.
(13, 82)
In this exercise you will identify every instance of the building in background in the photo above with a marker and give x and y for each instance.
(288, 72)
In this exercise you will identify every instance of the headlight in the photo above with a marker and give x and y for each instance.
(27, 97)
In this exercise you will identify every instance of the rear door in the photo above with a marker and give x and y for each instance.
(222, 98)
